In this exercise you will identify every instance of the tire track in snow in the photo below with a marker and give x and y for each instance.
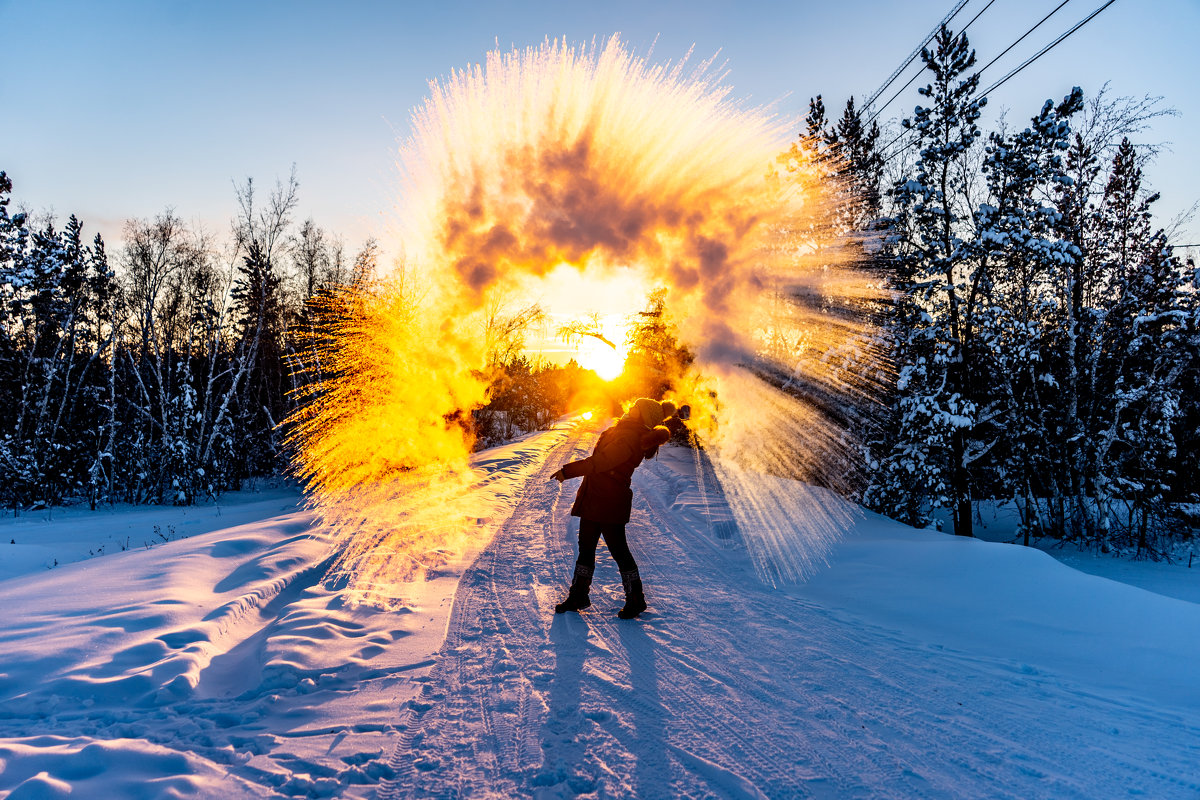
(473, 721)
(515, 621)
(706, 704)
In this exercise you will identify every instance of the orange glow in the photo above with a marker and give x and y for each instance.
(587, 159)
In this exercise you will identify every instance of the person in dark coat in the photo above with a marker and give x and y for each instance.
(605, 499)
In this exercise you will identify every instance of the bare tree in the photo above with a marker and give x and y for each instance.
(574, 332)
(265, 224)
(505, 328)
(310, 258)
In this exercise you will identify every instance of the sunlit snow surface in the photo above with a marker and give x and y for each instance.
(914, 664)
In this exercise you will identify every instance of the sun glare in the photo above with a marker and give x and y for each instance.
(602, 359)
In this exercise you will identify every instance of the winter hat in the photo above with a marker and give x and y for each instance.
(651, 411)
(668, 408)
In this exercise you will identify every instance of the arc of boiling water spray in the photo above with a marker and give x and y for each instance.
(588, 156)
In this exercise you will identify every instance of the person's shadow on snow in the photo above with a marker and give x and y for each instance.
(563, 739)
(649, 743)
(581, 714)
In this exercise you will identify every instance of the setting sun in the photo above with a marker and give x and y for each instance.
(601, 359)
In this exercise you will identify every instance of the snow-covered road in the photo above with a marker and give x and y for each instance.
(914, 665)
(728, 688)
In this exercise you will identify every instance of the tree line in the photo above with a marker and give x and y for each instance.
(1044, 337)
(166, 372)
(159, 373)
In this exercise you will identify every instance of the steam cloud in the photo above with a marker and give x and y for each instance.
(552, 155)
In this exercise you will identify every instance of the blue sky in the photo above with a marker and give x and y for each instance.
(120, 109)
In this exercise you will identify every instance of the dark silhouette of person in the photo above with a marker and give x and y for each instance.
(605, 499)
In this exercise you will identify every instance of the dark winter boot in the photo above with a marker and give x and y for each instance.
(577, 597)
(635, 600)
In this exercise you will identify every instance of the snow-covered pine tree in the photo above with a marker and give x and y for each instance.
(100, 430)
(263, 393)
(846, 157)
(862, 166)
(811, 156)
(1021, 247)
(14, 247)
(1080, 292)
(1150, 393)
(181, 472)
(1141, 354)
(816, 125)
(43, 355)
(934, 328)
(1188, 429)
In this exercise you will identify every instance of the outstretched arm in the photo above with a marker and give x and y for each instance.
(613, 453)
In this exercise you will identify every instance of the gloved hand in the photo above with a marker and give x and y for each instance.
(559, 476)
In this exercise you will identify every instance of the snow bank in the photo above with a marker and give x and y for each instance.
(49, 538)
(183, 667)
(999, 522)
(53, 767)
(1015, 603)
(990, 599)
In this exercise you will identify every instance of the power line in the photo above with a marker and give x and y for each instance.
(911, 56)
(1023, 35)
(1047, 48)
(980, 72)
(918, 73)
(1020, 67)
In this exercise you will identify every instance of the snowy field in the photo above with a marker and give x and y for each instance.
(196, 652)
